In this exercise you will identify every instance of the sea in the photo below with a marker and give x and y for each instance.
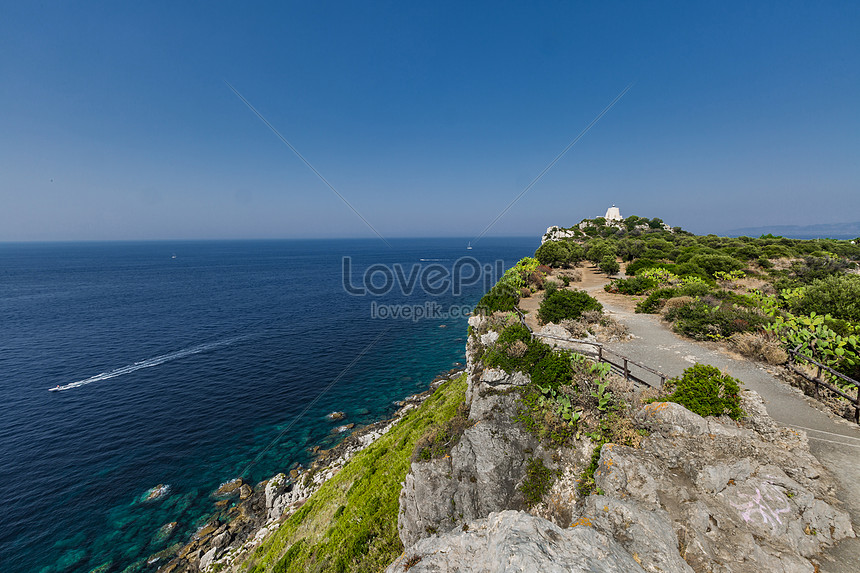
(179, 366)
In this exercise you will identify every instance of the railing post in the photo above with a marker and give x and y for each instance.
(857, 407)
(600, 354)
(817, 378)
(626, 371)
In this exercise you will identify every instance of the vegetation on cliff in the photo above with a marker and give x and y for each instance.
(350, 524)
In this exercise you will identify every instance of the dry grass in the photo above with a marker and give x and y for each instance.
(759, 346)
(674, 303)
(603, 327)
(573, 275)
(576, 328)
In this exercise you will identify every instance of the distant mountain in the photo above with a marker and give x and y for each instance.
(821, 231)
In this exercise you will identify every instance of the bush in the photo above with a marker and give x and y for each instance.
(837, 295)
(553, 370)
(500, 298)
(564, 304)
(655, 300)
(705, 390)
(713, 263)
(638, 265)
(700, 320)
(516, 350)
(632, 286)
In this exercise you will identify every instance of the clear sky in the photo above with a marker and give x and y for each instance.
(116, 121)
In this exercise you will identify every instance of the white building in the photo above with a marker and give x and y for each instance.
(613, 214)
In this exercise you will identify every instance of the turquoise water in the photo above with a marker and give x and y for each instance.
(181, 363)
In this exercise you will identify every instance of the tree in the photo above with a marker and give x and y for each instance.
(609, 265)
(577, 253)
(598, 250)
(553, 253)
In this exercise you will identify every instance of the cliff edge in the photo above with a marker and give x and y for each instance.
(680, 493)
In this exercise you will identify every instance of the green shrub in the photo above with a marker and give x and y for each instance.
(537, 483)
(705, 390)
(837, 295)
(652, 304)
(689, 269)
(639, 264)
(713, 263)
(500, 298)
(553, 370)
(701, 320)
(632, 286)
(566, 304)
(815, 268)
(694, 289)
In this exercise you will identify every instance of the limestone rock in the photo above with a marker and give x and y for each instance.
(481, 475)
(516, 542)
(646, 533)
(208, 558)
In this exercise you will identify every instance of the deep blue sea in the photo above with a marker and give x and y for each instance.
(181, 363)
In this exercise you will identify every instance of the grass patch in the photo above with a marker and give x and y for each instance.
(537, 483)
(350, 523)
(586, 484)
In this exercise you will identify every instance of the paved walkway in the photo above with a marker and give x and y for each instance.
(834, 441)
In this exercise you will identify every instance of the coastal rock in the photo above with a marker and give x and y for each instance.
(245, 491)
(336, 416)
(516, 542)
(230, 488)
(645, 532)
(481, 474)
(208, 558)
(738, 500)
(344, 428)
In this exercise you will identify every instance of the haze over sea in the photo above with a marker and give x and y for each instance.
(181, 362)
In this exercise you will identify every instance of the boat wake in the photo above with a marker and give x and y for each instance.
(150, 362)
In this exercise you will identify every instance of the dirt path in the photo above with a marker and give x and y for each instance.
(834, 441)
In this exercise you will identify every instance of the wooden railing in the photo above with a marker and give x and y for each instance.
(618, 363)
(818, 380)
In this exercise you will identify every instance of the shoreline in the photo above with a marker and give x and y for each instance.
(246, 514)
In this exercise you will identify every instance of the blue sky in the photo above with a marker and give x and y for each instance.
(429, 118)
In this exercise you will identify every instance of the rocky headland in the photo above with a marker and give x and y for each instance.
(695, 494)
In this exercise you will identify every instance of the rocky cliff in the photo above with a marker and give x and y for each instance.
(693, 494)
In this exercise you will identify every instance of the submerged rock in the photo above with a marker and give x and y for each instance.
(164, 532)
(155, 493)
(229, 488)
